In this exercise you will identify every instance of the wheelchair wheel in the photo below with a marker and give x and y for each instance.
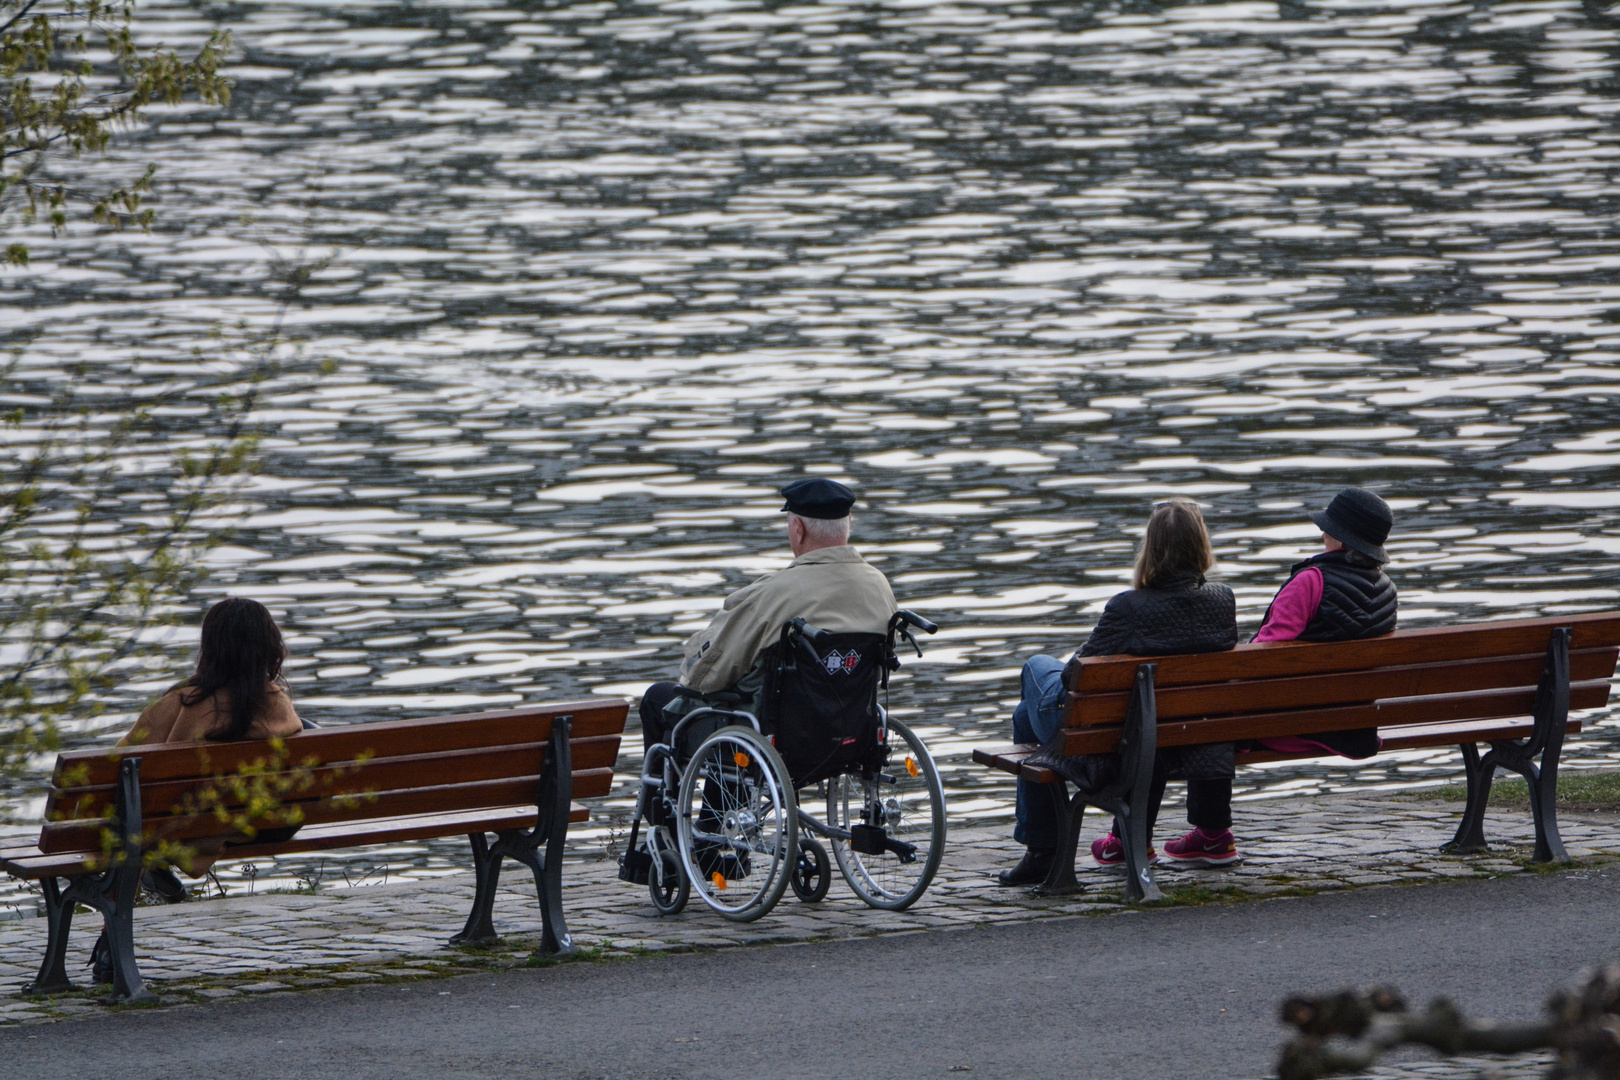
(904, 809)
(812, 873)
(736, 822)
(668, 887)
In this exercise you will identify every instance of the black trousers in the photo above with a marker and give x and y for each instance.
(1209, 804)
(654, 726)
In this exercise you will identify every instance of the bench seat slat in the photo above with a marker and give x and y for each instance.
(1245, 695)
(85, 835)
(381, 739)
(1102, 674)
(32, 863)
(348, 778)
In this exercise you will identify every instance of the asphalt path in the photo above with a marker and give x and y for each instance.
(1156, 995)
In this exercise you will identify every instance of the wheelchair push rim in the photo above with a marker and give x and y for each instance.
(909, 806)
(736, 824)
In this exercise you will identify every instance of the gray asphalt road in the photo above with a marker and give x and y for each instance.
(1190, 992)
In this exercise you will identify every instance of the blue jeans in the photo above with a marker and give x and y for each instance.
(1039, 714)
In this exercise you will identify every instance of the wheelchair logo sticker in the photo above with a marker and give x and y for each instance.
(842, 663)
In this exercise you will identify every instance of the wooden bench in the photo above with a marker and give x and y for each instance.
(1510, 684)
(513, 773)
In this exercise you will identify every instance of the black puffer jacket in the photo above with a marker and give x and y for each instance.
(1182, 614)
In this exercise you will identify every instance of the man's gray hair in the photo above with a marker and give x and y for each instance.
(823, 531)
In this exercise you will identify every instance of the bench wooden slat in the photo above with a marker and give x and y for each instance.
(382, 739)
(349, 778)
(1012, 757)
(1243, 695)
(1102, 674)
(1485, 705)
(31, 863)
(80, 836)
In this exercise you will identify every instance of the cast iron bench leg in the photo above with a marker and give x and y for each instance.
(480, 928)
(1546, 740)
(114, 894)
(1060, 880)
(553, 801)
(52, 977)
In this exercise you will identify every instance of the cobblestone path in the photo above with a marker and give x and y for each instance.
(277, 943)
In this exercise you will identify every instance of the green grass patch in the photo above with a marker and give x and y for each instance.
(1576, 791)
(1198, 894)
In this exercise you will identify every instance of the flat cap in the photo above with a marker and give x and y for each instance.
(818, 498)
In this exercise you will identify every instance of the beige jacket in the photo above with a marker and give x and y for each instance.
(830, 588)
(169, 720)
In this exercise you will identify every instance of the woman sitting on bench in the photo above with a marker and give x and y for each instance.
(236, 693)
(1341, 594)
(1172, 610)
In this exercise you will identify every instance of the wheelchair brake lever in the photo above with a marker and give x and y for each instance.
(905, 633)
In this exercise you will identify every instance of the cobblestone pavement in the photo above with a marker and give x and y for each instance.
(270, 943)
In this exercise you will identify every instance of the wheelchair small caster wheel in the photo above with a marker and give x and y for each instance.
(812, 872)
(669, 890)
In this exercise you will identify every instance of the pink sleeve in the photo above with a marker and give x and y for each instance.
(1294, 607)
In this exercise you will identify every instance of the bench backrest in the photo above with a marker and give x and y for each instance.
(355, 773)
(1274, 689)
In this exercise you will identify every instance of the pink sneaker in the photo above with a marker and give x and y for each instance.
(1199, 848)
(1109, 851)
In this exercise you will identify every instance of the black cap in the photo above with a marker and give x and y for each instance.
(818, 498)
(1359, 520)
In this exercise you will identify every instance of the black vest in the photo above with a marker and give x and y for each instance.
(1358, 599)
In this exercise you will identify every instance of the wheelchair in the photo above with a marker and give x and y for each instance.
(720, 798)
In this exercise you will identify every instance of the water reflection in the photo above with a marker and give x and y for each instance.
(605, 276)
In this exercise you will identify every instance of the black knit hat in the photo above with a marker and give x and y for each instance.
(1359, 520)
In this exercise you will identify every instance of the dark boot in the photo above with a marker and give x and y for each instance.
(163, 882)
(1031, 869)
(101, 970)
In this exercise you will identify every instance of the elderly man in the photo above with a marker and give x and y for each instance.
(827, 584)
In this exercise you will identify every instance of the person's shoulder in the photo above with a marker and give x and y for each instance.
(1125, 601)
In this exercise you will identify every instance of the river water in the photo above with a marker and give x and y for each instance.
(603, 276)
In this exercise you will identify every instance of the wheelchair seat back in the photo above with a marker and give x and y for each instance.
(820, 703)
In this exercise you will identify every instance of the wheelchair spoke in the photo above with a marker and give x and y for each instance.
(737, 823)
(889, 828)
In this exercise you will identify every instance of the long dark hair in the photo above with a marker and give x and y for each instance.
(1175, 542)
(240, 653)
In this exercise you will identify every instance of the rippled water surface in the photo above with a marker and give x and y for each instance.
(604, 276)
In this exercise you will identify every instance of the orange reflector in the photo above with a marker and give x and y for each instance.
(741, 759)
(911, 767)
(719, 880)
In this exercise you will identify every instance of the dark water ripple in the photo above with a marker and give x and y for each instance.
(608, 274)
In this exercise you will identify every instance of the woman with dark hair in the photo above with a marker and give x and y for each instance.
(1170, 611)
(235, 694)
(237, 691)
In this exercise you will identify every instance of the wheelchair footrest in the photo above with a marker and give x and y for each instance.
(874, 840)
(868, 839)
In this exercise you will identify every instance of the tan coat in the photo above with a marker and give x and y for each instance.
(830, 588)
(169, 720)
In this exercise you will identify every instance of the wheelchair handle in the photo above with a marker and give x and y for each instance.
(911, 618)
